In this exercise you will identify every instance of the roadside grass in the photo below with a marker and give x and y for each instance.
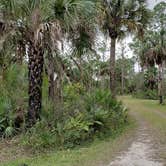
(150, 110)
(93, 154)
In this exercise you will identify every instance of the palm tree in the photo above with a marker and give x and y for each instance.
(119, 17)
(151, 52)
(28, 19)
(154, 46)
(158, 52)
(73, 16)
(159, 23)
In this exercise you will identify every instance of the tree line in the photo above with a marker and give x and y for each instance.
(37, 31)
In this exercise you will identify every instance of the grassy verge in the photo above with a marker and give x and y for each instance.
(149, 110)
(97, 153)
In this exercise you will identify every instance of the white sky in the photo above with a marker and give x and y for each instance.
(152, 3)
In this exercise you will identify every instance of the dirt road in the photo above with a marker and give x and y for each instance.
(147, 147)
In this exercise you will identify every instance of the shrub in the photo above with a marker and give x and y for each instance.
(82, 118)
(146, 94)
(13, 88)
(40, 136)
(105, 110)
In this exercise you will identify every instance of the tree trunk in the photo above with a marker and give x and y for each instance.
(160, 85)
(55, 88)
(35, 66)
(122, 80)
(55, 82)
(51, 87)
(51, 77)
(122, 71)
(112, 67)
(20, 53)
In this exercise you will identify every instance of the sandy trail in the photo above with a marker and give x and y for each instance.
(140, 153)
(143, 150)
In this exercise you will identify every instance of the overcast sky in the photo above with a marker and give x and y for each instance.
(152, 3)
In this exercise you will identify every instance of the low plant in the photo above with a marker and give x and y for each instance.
(146, 94)
(82, 118)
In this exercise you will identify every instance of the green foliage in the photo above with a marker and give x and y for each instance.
(150, 78)
(146, 84)
(13, 89)
(125, 69)
(9, 131)
(40, 135)
(83, 116)
(72, 92)
(105, 110)
(146, 94)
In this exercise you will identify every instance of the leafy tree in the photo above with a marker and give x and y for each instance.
(151, 78)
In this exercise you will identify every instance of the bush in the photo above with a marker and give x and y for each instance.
(13, 88)
(82, 118)
(105, 110)
(146, 94)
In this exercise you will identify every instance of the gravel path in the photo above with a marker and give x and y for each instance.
(140, 153)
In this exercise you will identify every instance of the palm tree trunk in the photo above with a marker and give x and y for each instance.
(160, 84)
(55, 84)
(51, 87)
(122, 72)
(51, 77)
(55, 88)
(122, 80)
(112, 67)
(35, 66)
(20, 52)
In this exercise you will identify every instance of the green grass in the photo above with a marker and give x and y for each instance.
(100, 151)
(150, 110)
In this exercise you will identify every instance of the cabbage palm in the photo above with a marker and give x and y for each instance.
(152, 51)
(28, 19)
(120, 17)
(156, 38)
(159, 49)
(156, 54)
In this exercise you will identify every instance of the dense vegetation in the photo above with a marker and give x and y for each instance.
(58, 87)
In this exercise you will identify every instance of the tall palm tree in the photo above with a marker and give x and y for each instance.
(154, 46)
(159, 24)
(119, 18)
(28, 18)
(151, 52)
